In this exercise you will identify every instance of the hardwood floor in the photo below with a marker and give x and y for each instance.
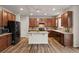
(52, 47)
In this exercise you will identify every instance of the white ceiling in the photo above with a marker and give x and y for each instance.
(32, 9)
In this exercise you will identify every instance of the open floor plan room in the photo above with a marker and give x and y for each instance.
(39, 28)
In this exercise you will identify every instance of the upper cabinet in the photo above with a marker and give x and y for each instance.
(49, 22)
(32, 22)
(6, 16)
(11, 17)
(66, 19)
(53, 21)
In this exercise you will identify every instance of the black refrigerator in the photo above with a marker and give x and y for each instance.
(14, 28)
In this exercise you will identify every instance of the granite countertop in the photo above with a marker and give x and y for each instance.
(5, 34)
(63, 32)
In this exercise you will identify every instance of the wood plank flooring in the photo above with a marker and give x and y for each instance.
(52, 47)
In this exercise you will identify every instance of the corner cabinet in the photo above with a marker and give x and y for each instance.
(66, 19)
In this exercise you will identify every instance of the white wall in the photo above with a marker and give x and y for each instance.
(18, 17)
(24, 24)
(76, 25)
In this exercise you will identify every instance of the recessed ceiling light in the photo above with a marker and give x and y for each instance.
(45, 13)
(31, 14)
(53, 9)
(37, 11)
(21, 9)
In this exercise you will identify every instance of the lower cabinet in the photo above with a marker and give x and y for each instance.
(5, 41)
(64, 39)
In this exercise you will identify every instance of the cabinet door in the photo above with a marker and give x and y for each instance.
(1, 24)
(3, 43)
(53, 22)
(70, 20)
(13, 17)
(66, 19)
(5, 18)
(32, 22)
(49, 22)
(9, 37)
(62, 39)
(63, 20)
(9, 16)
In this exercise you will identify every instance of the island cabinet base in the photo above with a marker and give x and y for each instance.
(38, 37)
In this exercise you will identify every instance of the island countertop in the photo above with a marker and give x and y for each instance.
(40, 32)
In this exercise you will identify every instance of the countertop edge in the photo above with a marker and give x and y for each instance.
(62, 32)
(4, 34)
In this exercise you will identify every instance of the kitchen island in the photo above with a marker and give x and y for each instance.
(38, 37)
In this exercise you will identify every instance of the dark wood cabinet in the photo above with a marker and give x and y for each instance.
(66, 19)
(9, 39)
(53, 21)
(5, 41)
(64, 39)
(3, 44)
(49, 22)
(11, 17)
(32, 22)
(5, 18)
